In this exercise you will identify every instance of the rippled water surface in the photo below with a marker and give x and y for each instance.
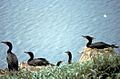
(50, 27)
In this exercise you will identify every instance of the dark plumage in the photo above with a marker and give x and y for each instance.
(98, 45)
(58, 63)
(11, 58)
(36, 61)
(69, 57)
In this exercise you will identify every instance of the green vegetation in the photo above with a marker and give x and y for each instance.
(99, 68)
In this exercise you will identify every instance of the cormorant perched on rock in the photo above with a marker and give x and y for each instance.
(11, 58)
(69, 57)
(36, 61)
(98, 45)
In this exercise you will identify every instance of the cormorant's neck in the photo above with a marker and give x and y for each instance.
(10, 49)
(70, 58)
(89, 42)
(58, 63)
(31, 57)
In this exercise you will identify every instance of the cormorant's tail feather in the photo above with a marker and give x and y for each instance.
(114, 46)
(51, 64)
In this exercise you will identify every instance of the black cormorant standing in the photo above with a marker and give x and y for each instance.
(36, 61)
(11, 58)
(98, 45)
(69, 57)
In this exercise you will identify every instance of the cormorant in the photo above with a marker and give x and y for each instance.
(36, 61)
(98, 45)
(69, 57)
(58, 63)
(11, 57)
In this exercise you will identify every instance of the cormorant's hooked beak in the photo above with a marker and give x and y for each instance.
(83, 36)
(3, 42)
(66, 52)
(26, 52)
(86, 37)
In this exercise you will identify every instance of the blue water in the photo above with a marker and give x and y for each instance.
(51, 27)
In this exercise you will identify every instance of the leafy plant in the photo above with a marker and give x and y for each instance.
(103, 67)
